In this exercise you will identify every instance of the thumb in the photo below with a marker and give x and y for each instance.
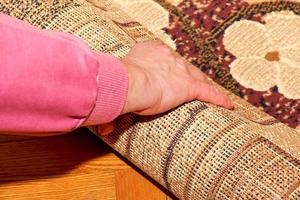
(105, 129)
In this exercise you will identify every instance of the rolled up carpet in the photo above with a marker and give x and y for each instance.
(197, 151)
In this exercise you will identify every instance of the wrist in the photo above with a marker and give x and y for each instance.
(128, 106)
(137, 84)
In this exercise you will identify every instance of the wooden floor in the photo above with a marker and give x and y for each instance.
(72, 166)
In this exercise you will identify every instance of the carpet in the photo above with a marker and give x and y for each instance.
(198, 150)
(250, 49)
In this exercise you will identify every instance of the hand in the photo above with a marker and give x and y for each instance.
(160, 79)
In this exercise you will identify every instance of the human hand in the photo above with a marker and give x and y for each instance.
(160, 79)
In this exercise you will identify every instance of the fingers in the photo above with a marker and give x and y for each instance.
(105, 129)
(208, 93)
(203, 90)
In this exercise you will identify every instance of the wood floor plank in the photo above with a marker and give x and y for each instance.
(130, 185)
(51, 156)
(11, 138)
(93, 186)
(72, 166)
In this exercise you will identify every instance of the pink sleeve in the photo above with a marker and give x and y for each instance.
(52, 82)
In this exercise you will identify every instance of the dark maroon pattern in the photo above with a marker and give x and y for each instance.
(207, 15)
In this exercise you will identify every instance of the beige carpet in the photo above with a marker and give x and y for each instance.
(197, 151)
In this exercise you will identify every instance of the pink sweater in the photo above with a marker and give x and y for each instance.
(52, 82)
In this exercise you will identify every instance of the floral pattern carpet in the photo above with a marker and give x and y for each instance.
(251, 49)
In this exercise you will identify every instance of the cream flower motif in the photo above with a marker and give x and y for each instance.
(266, 54)
(151, 15)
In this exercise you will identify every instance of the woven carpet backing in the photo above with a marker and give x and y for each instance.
(198, 150)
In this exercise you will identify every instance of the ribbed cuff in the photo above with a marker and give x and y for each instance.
(112, 80)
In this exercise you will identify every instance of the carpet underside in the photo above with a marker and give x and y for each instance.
(201, 151)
